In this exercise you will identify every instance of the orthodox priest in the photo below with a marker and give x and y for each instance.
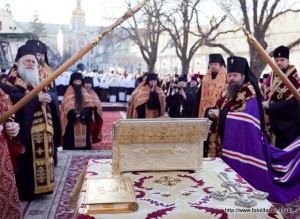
(242, 141)
(141, 82)
(35, 173)
(76, 114)
(97, 117)
(282, 109)
(180, 102)
(9, 198)
(150, 100)
(44, 72)
(212, 85)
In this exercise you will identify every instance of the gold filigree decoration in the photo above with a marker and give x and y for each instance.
(241, 96)
(38, 137)
(41, 174)
(168, 151)
(167, 181)
(281, 92)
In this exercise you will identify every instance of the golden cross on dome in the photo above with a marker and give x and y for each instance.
(232, 60)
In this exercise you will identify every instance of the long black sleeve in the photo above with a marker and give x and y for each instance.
(153, 102)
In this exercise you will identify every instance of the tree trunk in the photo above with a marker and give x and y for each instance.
(151, 67)
(185, 64)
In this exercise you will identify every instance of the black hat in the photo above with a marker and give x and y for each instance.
(182, 78)
(80, 67)
(237, 64)
(75, 76)
(40, 47)
(282, 52)
(88, 80)
(216, 58)
(151, 76)
(25, 50)
(145, 74)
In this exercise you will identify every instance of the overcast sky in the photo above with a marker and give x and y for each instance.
(60, 11)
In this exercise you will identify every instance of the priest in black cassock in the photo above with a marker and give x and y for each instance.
(76, 114)
(150, 100)
(281, 107)
(181, 102)
(35, 174)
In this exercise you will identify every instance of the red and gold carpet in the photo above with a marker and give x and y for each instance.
(56, 205)
(108, 119)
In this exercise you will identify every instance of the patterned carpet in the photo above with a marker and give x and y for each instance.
(67, 172)
(109, 118)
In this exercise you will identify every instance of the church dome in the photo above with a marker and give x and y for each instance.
(78, 12)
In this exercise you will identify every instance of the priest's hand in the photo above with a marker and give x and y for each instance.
(12, 129)
(44, 98)
(182, 93)
(152, 88)
(213, 113)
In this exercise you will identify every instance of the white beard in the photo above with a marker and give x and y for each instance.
(30, 76)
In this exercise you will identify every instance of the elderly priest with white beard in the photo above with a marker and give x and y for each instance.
(35, 174)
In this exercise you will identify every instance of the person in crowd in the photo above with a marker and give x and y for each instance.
(141, 82)
(150, 100)
(212, 85)
(181, 102)
(282, 109)
(104, 86)
(241, 138)
(76, 114)
(9, 198)
(80, 68)
(114, 88)
(193, 86)
(44, 72)
(97, 117)
(35, 173)
(129, 86)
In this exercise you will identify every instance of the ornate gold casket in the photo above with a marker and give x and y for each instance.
(158, 144)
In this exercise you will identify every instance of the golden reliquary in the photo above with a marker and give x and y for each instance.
(158, 144)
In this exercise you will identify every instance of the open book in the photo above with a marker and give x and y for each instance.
(110, 195)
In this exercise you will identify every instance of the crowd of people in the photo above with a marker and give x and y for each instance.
(248, 117)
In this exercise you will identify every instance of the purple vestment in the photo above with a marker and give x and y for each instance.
(265, 167)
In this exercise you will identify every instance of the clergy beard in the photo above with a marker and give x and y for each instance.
(284, 70)
(232, 89)
(78, 97)
(214, 75)
(30, 76)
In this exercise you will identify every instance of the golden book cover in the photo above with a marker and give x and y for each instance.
(110, 195)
